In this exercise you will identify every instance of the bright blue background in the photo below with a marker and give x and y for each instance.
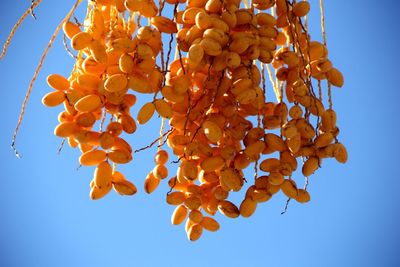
(47, 218)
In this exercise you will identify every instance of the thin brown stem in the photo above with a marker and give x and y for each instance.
(16, 26)
(28, 93)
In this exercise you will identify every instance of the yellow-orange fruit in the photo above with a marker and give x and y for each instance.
(179, 215)
(303, 196)
(189, 15)
(182, 84)
(58, 82)
(114, 128)
(274, 142)
(290, 58)
(213, 6)
(128, 123)
(295, 112)
(316, 50)
(120, 143)
(72, 142)
(220, 193)
(211, 47)
(212, 163)
(265, 19)
(163, 108)
(217, 35)
(328, 120)
(88, 82)
(241, 161)
(305, 129)
(97, 193)
(202, 20)
(170, 94)
(263, 4)
(120, 5)
(270, 165)
(93, 157)
(209, 224)
(340, 153)
(124, 45)
(243, 16)
(126, 63)
(87, 137)
(119, 156)
(88, 103)
(233, 60)
(81, 40)
(335, 77)
(98, 51)
(164, 24)
(194, 232)
(289, 188)
(91, 66)
(323, 140)
(229, 17)
(301, 9)
(231, 179)
(195, 54)
(315, 106)
(260, 195)
(161, 157)
(209, 177)
(248, 207)
(289, 130)
(82, 147)
(70, 29)
(96, 27)
(160, 171)
(118, 177)
(310, 166)
(176, 198)
(254, 150)
(212, 131)
(145, 113)
(189, 170)
(85, 119)
(53, 99)
(148, 8)
(132, 5)
(106, 140)
(66, 129)
(195, 216)
(228, 209)
(103, 174)
(116, 82)
(151, 183)
(275, 178)
(287, 158)
(192, 202)
(129, 100)
(180, 140)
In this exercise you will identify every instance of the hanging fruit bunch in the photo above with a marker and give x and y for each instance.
(213, 95)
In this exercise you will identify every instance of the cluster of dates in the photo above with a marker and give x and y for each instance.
(213, 95)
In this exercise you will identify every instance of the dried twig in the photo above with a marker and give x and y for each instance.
(16, 26)
(28, 93)
(155, 141)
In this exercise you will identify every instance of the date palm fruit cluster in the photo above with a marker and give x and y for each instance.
(213, 95)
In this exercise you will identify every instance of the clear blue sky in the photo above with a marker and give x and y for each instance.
(47, 218)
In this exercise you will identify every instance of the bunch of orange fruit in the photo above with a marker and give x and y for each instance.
(213, 94)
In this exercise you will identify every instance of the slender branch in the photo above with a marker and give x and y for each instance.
(155, 141)
(16, 26)
(28, 93)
